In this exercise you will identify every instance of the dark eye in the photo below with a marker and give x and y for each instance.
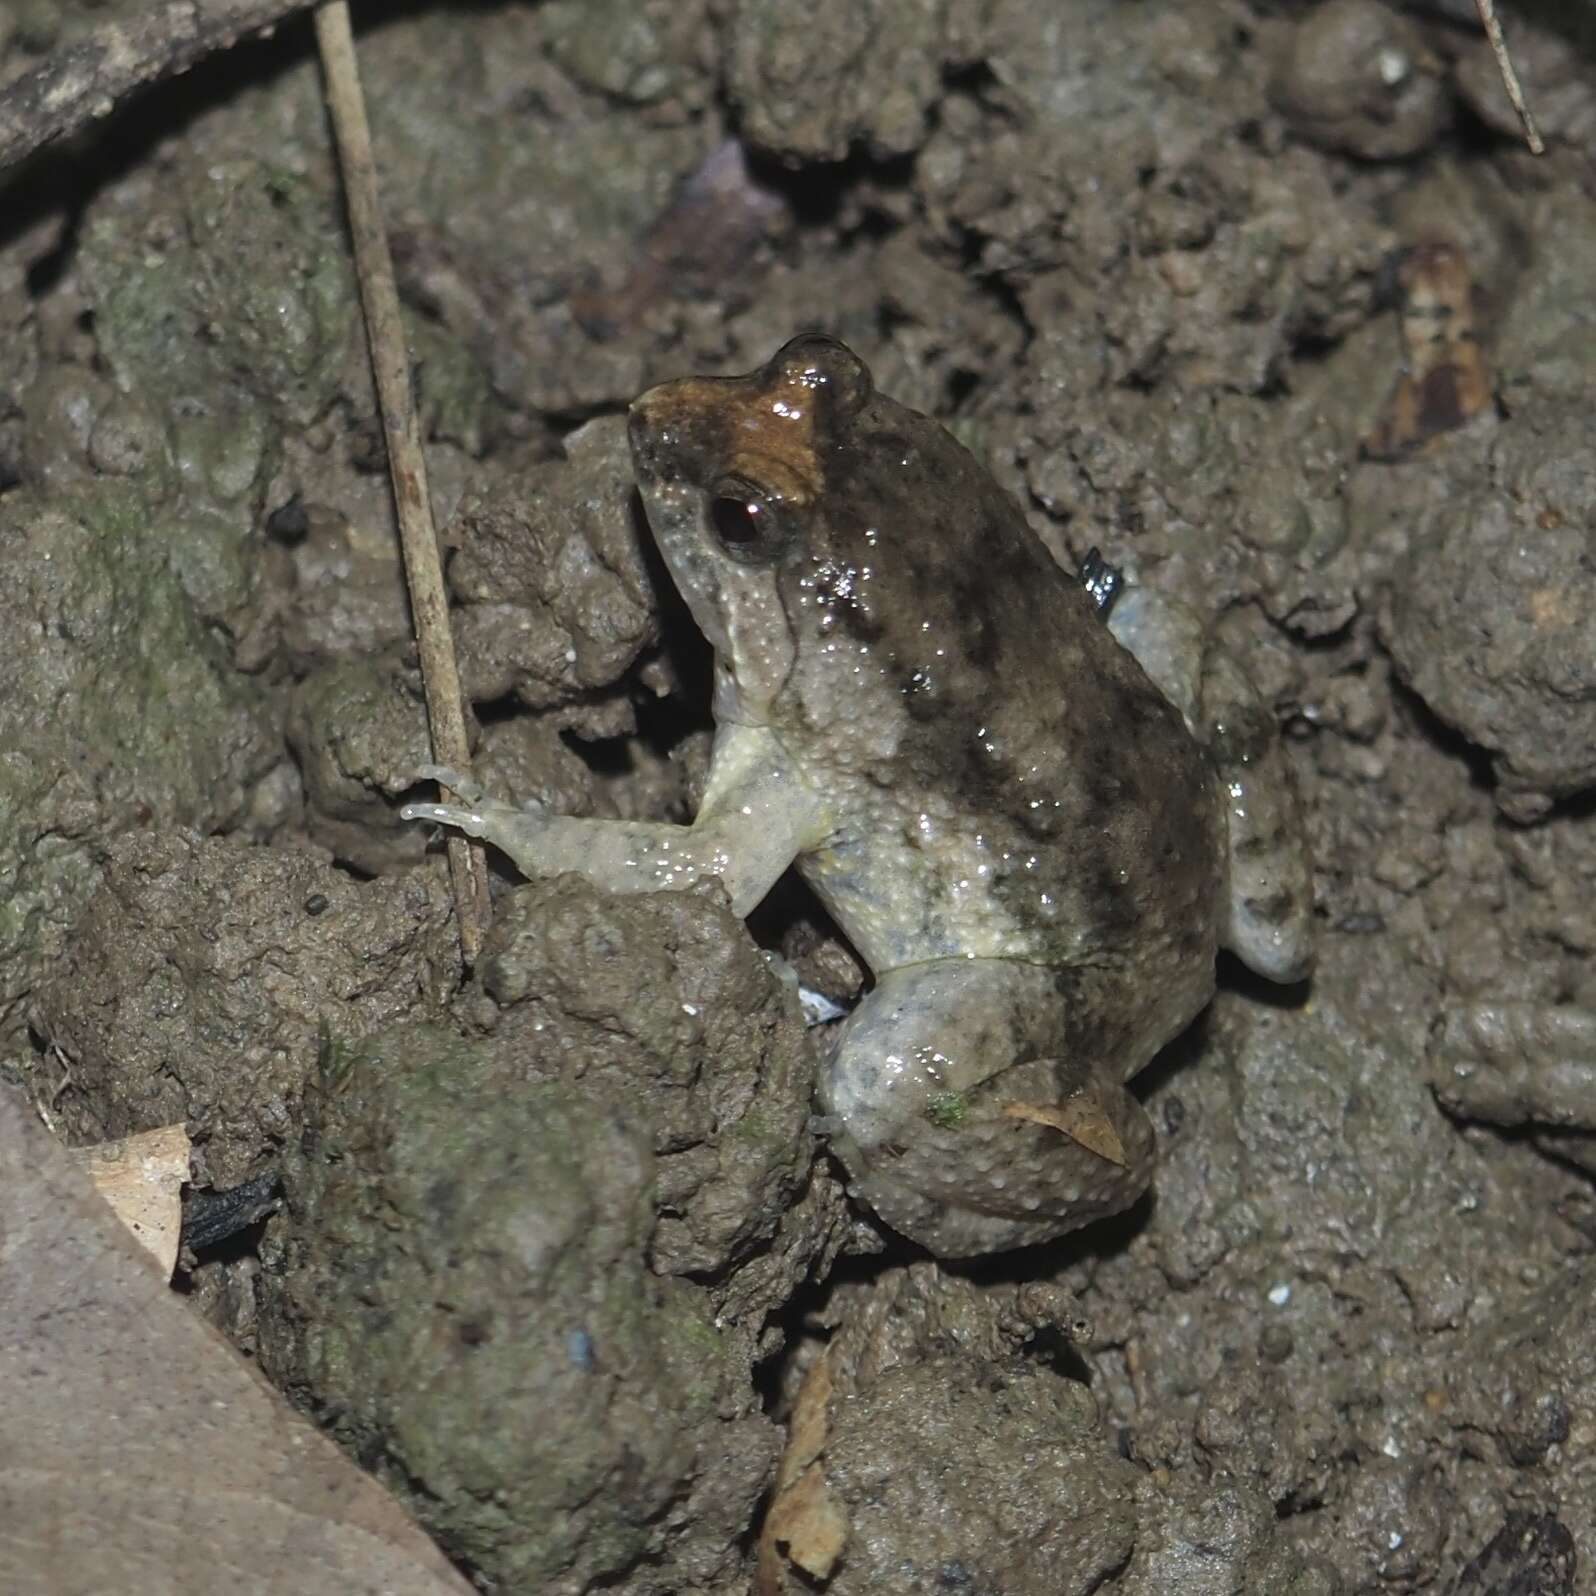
(746, 524)
(739, 522)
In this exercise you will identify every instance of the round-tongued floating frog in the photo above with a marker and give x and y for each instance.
(1036, 824)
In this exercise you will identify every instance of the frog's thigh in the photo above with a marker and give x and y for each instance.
(1269, 918)
(962, 1119)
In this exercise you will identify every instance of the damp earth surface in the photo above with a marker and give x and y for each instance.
(1268, 303)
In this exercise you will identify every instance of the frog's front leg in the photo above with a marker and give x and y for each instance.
(756, 817)
(1269, 919)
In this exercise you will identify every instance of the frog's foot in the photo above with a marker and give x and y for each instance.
(508, 827)
(1515, 1064)
(468, 788)
(1269, 924)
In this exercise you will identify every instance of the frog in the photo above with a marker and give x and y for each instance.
(1037, 803)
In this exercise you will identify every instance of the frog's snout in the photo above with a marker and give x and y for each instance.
(643, 433)
(677, 429)
(640, 436)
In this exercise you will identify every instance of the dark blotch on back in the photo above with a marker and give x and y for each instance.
(1124, 818)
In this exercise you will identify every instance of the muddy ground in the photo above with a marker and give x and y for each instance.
(556, 1249)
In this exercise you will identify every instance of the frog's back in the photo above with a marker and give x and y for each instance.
(1011, 782)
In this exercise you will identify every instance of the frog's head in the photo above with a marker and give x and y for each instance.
(731, 471)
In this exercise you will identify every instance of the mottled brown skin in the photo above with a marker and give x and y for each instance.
(1014, 825)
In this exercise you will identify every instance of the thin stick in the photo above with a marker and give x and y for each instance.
(390, 366)
(1504, 64)
(88, 76)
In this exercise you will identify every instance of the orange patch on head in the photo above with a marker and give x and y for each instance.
(774, 439)
(763, 432)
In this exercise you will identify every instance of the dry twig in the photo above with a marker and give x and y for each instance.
(85, 79)
(390, 365)
(1504, 64)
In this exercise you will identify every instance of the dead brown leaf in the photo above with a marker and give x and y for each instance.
(805, 1527)
(1080, 1119)
(142, 1177)
(137, 1450)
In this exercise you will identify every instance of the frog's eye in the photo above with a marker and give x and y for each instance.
(748, 525)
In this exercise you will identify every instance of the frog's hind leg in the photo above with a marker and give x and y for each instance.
(1268, 924)
(974, 1114)
(1271, 873)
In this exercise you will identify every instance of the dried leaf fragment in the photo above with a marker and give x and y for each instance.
(805, 1526)
(138, 1452)
(1079, 1118)
(141, 1177)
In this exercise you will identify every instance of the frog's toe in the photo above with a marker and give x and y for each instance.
(517, 831)
(476, 814)
(1270, 930)
(471, 821)
(468, 788)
